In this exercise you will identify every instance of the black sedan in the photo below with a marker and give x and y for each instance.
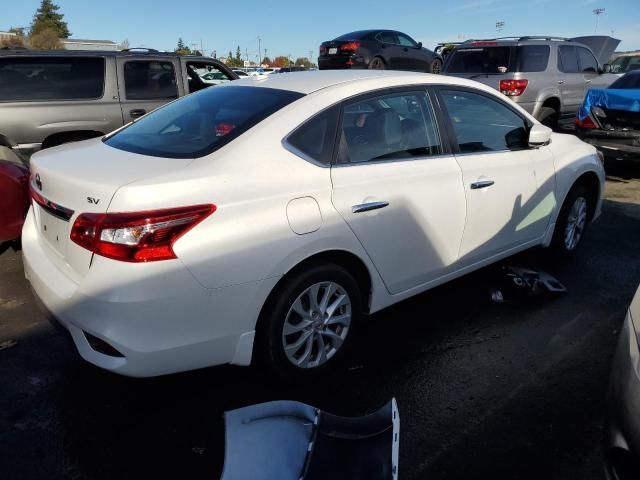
(377, 49)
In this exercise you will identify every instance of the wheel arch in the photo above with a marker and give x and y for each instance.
(59, 138)
(591, 182)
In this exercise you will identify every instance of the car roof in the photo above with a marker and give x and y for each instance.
(97, 53)
(311, 81)
(365, 33)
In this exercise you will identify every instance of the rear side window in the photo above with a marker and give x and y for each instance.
(568, 59)
(149, 80)
(588, 62)
(533, 58)
(315, 139)
(51, 78)
(482, 124)
(200, 123)
(387, 37)
(480, 60)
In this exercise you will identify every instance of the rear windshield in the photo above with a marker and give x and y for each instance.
(202, 122)
(480, 60)
(354, 35)
(628, 81)
(51, 78)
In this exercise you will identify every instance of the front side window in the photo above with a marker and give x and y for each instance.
(394, 126)
(480, 60)
(482, 124)
(406, 41)
(51, 78)
(588, 62)
(533, 58)
(199, 124)
(203, 74)
(149, 80)
(568, 59)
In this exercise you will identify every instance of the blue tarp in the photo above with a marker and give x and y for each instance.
(613, 99)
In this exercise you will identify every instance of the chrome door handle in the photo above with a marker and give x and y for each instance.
(587, 80)
(481, 184)
(365, 207)
(560, 82)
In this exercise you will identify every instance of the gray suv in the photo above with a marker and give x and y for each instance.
(547, 76)
(52, 97)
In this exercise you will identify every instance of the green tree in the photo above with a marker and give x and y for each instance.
(238, 54)
(303, 62)
(48, 18)
(182, 48)
(266, 61)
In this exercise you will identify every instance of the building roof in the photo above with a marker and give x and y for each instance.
(82, 40)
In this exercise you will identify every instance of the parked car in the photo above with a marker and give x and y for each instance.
(610, 118)
(241, 73)
(52, 97)
(546, 76)
(378, 50)
(625, 63)
(622, 432)
(292, 69)
(14, 200)
(176, 243)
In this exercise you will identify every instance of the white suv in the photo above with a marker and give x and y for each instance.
(262, 219)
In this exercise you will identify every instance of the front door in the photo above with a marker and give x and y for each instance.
(570, 80)
(505, 208)
(398, 188)
(395, 55)
(146, 84)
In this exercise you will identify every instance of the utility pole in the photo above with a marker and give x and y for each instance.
(597, 12)
(310, 55)
(499, 25)
(201, 47)
(246, 53)
(259, 51)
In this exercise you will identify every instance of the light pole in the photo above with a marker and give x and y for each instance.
(597, 12)
(259, 51)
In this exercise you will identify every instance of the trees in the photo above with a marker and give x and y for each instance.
(239, 55)
(281, 61)
(182, 48)
(266, 61)
(48, 19)
(46, 39)
(17, 41)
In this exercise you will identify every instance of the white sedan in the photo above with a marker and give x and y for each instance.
(259, 221)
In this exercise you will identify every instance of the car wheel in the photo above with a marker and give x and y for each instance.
(436, 66)
(377, 64)
(548, 117)
(309, 322)
(572, 221)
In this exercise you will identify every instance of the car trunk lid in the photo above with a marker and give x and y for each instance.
(83, 178)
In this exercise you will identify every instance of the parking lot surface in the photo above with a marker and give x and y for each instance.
(484, 390)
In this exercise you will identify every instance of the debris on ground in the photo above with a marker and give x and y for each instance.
(511, 283)
(7, 344)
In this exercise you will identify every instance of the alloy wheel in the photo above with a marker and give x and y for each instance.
(377, 64)
(576, 222)
(316, 325)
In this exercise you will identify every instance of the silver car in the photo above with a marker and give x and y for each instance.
(546, 76)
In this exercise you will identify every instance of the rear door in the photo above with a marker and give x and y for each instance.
(505, 208)
(147, 83)
(571, 80)
(398, 187)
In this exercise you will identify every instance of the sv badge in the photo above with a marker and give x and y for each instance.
(93, 201)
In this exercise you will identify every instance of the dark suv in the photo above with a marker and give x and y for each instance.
(52, 97)
(547, 76)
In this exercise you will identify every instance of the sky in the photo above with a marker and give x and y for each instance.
(297, 27)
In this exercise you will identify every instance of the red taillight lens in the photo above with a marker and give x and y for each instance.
(323, 50)
(137, 237)
(513, 88)
(484, 43)
(349, 47)
(586, 123)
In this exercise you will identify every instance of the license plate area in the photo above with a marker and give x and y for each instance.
(333, 51)
(54, 230)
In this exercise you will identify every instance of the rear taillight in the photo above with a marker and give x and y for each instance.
(587, 122)
(137, 237)
(323, 50)
(513, 88)
(349, 47)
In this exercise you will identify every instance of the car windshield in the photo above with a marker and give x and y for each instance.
(202, 122)
(625, 64)
(480, 60)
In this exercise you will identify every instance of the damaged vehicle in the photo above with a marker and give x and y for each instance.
(610, 118)
(260, 220)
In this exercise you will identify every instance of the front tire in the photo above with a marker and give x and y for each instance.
(549, 117)
(572, 222)
(436, 66)
(377, 63)
(308, 322)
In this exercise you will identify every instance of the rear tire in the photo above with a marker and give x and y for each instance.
(572, 222)
(298, 338)
(549, 117)
(377, 63)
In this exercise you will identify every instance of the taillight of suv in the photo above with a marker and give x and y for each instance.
(137, 237)
(513, 88)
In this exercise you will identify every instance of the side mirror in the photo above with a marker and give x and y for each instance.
(539, 136)
(419, 45)
(606, 68)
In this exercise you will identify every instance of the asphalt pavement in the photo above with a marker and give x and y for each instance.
(502, 391)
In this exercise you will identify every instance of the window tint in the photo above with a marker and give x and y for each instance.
(315, 139)
(42, 78)
(200, 123)
(588, 62)
(203, 74)
(480, 60)
(395, 126)
(627, 81)
(533, 58)
(567, 59)
(149, 80)
(405, 41)
(387, 37)
(482, 124)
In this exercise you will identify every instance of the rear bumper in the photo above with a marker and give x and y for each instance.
(616, 145)
(156, 315)
(336, 62)
(622, 431)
